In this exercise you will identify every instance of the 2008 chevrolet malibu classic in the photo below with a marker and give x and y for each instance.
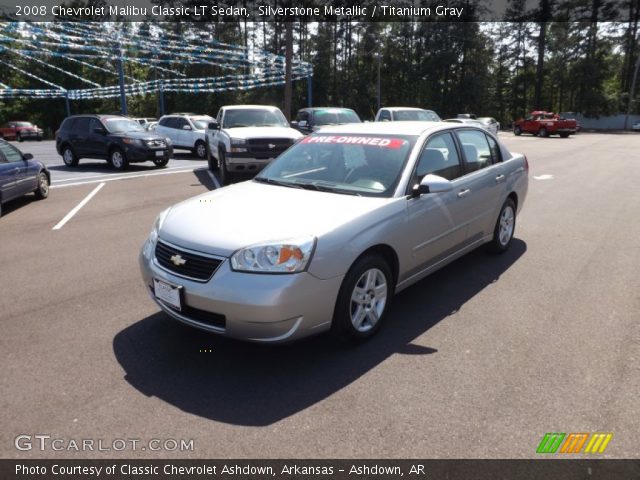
(325, 236)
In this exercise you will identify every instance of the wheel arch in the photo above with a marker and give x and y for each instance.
(388, 254)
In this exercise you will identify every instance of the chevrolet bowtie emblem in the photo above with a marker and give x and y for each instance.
(272, 146)
(177, 260)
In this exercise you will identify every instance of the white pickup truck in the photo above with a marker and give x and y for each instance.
(245, 138)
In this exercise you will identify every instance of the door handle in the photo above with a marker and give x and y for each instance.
(500, 178)
(463, 193)
(16, 170)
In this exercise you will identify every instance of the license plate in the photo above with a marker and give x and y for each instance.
(160, 153)
(167, 293)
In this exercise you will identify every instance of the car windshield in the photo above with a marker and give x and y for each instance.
(24, 124)
(333, 117)
(368, 165)
(254, 117)
(119, 125)
(201, 122)
(420, 115)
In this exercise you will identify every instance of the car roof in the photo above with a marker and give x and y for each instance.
(96, 115)
(243, 107)
(328, 108)
(404, 108)
(395, 128)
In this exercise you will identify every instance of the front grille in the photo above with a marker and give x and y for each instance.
(156, 143)
(267, 147)
(195, 266)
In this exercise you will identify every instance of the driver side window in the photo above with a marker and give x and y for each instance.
(439, 157)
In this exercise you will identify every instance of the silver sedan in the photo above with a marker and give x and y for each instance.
(325, 236)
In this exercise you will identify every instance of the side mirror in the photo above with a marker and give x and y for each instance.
(99, 130)
(432, 184)
(186, 127)
(27, 156)
(213, 126)
(303, 124)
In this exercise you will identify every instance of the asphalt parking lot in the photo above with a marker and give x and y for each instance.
(479, 360)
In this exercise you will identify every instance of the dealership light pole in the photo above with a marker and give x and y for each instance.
(379, 89)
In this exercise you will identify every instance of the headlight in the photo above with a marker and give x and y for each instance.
(153, 235)
(238, 145)
(168, 140)
(133, 141)
(287, 256)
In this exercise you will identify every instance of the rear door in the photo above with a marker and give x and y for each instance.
(483, 184)
(79, 136)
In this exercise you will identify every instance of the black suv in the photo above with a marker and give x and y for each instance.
(115, 138)
(309, 120)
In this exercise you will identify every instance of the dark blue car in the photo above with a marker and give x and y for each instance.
(20, 174)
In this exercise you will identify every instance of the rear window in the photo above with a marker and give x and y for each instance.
(333, 117)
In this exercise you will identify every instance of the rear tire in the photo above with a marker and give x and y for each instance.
(68, 157)
(564, 135)
(363, 300)
(517, 131)
(19, 138)
(118, 160)
(543, 133)
(505, 228)
(42, 190)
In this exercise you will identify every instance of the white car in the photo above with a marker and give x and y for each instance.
(404, 114)
(186, 131)
(636, 127)
(490, 124)
(245, 138)
(468, 121)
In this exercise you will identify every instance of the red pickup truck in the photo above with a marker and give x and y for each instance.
(19, 130)
(544, 124)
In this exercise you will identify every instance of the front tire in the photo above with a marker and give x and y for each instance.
(517, 131)
(543, 133)
(118, 159)
(363, 299)
(225, 176)
(19, 138)
(200, 150)
(211, 162)
(564, 135)
(160, 162)
(505, 228)
(68, 157)
(42, 190)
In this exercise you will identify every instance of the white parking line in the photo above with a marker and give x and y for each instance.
(125, 177)
(69, 215)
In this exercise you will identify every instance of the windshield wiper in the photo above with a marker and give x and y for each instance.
(271, 181)
(323, 187)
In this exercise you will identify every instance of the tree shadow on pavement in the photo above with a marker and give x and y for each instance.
(255, 385)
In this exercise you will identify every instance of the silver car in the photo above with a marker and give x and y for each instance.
(325, 235)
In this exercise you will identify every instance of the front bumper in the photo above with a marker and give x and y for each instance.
(137, 154)
(29, 134)
(240, 162)
(248, 306)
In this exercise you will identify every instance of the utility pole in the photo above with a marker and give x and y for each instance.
(287, 70)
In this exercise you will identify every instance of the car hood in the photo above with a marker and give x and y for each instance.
(224, 220)
(141, 135)
(263, 132)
